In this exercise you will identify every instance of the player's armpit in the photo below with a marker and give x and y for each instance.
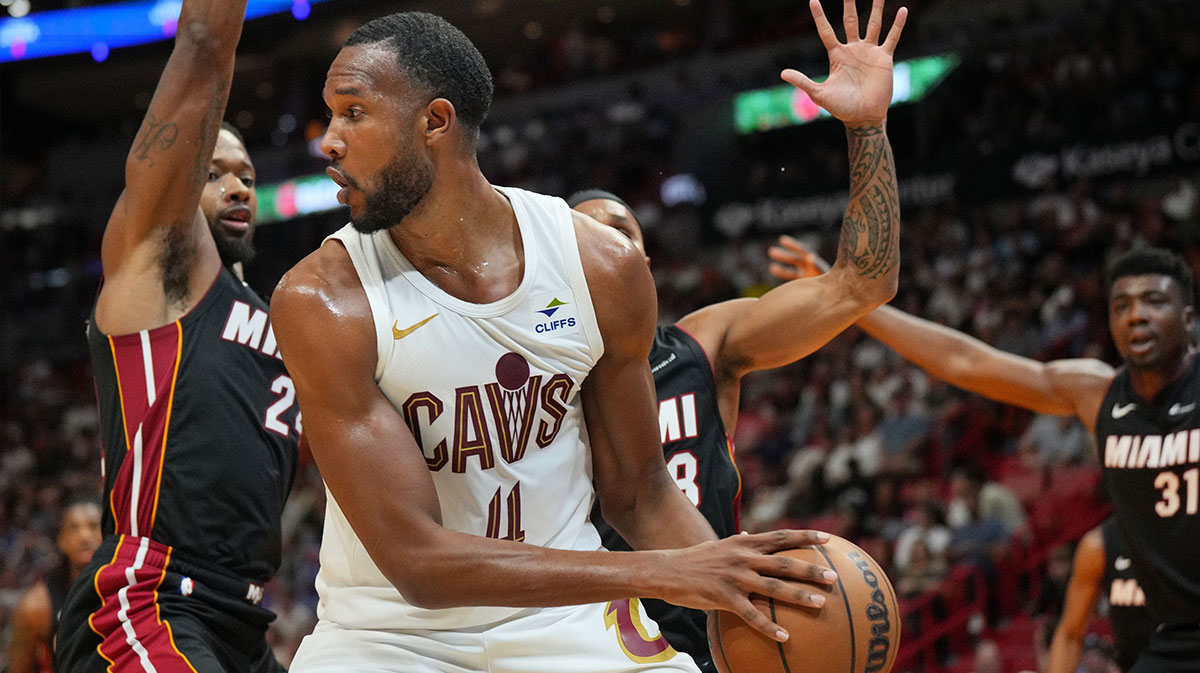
(1083, 382)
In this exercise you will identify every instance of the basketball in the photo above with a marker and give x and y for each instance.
(857, 631)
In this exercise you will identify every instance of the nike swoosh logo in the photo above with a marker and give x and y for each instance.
(1119, 411)
(1122, 563)
(1177, 408)
(399, 334)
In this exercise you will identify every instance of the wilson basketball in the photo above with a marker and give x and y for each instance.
(857, 630)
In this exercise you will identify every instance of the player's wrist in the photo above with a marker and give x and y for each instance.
(865, 127)
(650, 575)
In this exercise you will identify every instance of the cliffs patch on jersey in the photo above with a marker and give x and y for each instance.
(520, 407)
(558, 318)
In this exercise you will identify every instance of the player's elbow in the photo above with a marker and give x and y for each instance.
(618, 506)
(420, 593)
(870, 292)
(205, 40)
(410, 575)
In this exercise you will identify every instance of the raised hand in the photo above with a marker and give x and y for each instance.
(791, 259)
(722, 575)
(859, 87)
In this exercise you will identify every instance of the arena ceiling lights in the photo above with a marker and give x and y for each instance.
(96, 30)
(785, 105)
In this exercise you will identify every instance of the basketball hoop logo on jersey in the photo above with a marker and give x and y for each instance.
(514, 400)
(558, 318)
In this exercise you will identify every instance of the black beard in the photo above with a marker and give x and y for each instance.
(232, 250)
(405, 183)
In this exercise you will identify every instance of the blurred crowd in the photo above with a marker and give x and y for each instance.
(852, 439)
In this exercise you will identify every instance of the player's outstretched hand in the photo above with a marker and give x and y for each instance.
(722, 575)
(791, 259)
(859, 87)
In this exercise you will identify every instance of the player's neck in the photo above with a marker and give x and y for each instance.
(464, 237)
(1149, 382)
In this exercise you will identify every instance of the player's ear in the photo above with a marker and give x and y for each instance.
(439, 117)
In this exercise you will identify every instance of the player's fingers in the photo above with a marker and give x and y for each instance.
(787, 256)
(875, 23)
(791, 243)
(742, 607)
(786, 538)
(784, 272)
(893, 35)
(799, 80)
(789, 592)
(824, 30)
(850, 21)
(792, 568)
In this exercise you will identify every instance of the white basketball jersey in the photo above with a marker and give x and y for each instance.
(491, 393)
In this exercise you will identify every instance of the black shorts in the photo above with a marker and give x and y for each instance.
(1171, 650)
(137, 608)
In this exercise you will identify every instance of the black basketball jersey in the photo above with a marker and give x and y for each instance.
(1151, 456)
(199, 428)
(699, 457)
(1131, 623)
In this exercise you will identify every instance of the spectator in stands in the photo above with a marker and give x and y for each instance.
(35, 621)
(927, 529)
(922, 572)
(975, 499)
(1054, 440)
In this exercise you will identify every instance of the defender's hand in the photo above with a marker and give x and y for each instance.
(859, 87)
(722, 575)
(792, 259)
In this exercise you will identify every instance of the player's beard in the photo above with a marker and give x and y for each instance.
(234, 249)
(403, 184)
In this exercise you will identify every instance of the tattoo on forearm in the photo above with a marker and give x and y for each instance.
(156, 136)
(210, 126)
(869, 239)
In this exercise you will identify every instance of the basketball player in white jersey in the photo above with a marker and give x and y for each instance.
(470, 361)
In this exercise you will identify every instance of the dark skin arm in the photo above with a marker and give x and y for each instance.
(1086, 578)
(800, 316)
(30, 629)
(377, 474)
(158, 254)
(1062, 387)
(637, 496)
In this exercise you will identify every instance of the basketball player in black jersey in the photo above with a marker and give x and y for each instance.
(698, 363)
(1145, 415)
(198, 417)
(1102, 566)
(35, 620)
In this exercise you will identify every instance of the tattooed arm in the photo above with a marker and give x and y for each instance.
(798, 317)
(157, 253)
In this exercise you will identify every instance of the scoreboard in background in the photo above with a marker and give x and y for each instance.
(99, 29)
(783, 106)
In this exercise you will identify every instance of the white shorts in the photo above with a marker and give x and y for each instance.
(595, 638)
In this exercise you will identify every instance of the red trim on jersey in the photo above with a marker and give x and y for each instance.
(146, 365)
(133, 635)
(737, 499)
